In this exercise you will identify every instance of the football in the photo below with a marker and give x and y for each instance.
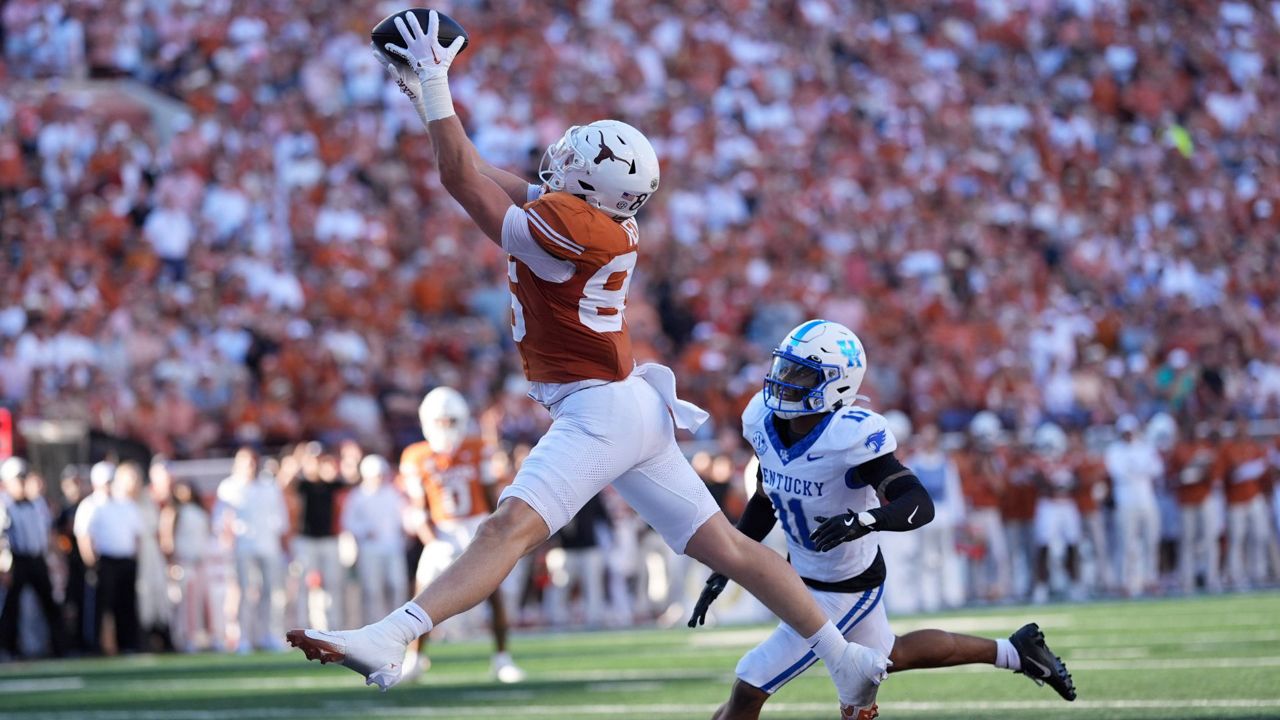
(386, 32)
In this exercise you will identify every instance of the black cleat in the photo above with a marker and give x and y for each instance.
(1039, 663)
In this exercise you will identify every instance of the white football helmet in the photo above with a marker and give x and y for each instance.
(985, 427)
(608, 163)
(817, 368)
(900, 425)
(374, 468)
(1162, 431)
(1050, 441)
(444, 415)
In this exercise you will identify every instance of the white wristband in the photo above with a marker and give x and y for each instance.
(437, 101)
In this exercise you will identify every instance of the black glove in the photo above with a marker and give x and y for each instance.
(839, 529)
(715, 586)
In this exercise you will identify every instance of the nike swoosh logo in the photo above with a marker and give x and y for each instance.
(912, 516)
(848, 522)
(811, 457)
(1044, 671)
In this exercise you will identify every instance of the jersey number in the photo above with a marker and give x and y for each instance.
(517, 310)
(800, 533)
(604, 297)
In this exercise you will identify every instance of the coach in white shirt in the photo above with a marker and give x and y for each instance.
(1134, 464)
(251, 512)
(373, 515)
(114, 531)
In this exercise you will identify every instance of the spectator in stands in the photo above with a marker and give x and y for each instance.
(1133, 465)
(115, 534)
(27, 526)
(251, 517)
(374, 515)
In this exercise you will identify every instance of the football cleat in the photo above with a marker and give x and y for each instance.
(849, 712)
(369, 651)
(1039, 663)
(857, 677)
(505, 669)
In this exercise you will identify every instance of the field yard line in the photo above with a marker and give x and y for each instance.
(1143, 664)
(29, 685)
(613, 677)
(641, 710)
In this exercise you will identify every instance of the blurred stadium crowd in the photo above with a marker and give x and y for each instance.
(1031, 211)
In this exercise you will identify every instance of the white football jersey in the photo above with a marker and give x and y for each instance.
(816, 477)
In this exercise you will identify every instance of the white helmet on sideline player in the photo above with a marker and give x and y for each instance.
(985, 428)
(1162, 431)
(444, 415)
(1050, 441)
(817, 368)
(899, 424)
(608, 163)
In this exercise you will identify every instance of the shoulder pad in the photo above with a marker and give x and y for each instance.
(867, 435)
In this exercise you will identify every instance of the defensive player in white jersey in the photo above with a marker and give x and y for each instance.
(824, 462)
(573, 244)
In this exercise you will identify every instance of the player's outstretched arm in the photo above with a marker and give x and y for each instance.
(516, 187)
(484, 199)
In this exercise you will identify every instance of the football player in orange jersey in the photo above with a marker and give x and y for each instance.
(447, 477)
(573, 243)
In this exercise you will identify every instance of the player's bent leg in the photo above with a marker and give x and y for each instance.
(937, 648)
(1025, 652)
(377, 651)
(856, 670)
(745, 703)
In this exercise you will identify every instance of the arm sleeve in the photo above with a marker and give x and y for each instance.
(518, 241)
(758, 518)
(909, 505)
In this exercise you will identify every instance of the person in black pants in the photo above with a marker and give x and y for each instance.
(27, 531)
(80, 639)
(114, 531)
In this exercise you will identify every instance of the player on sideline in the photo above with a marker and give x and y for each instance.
(822, 462)
(447, 474)
(573, 246)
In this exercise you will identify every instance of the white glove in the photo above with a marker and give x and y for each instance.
(429, 60)
(406, 79)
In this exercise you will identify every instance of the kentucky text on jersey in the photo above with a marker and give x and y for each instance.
(787, 484)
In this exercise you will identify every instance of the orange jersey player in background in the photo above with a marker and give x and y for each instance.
(449, 482)
(573, 244)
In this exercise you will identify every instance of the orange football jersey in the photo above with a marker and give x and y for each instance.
(575, 330)
(453, 484)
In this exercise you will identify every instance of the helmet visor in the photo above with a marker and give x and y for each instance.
(792, 379)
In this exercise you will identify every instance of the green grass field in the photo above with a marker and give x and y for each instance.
(1196, 658)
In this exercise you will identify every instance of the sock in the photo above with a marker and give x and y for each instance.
(408, 622)
(828, 644)
(1007, 656)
